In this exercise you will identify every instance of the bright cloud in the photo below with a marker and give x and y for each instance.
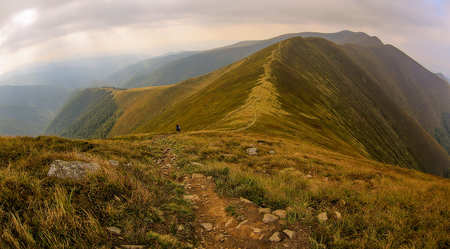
(36, 30)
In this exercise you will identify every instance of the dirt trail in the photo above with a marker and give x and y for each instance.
(244, 229)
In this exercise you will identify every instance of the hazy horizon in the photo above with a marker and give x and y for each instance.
(49, 30)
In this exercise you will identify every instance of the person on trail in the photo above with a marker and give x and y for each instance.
(178, 128)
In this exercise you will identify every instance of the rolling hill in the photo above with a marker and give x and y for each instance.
(174, 70)
(364, 100)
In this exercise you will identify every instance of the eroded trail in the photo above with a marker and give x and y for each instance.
(237, 223)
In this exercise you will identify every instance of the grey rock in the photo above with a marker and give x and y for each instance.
(264, 210)
(280, 213)
(192, 198)
(322, 217)
(73, 169)
(275, 237)
(245, 200)
(133, 246)
(113, 163)
(268, 218)
(289, 233)
(242, 223)
(207, 226)
(196, 176)
(252, 151)
(114, 230)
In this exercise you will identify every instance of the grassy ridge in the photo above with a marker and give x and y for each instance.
(317, 91)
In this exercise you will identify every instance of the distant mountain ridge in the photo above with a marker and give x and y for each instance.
(356, 99)
(71, 73)
(442, 76)
(28, 110)
(203, 62)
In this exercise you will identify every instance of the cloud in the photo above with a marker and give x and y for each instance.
(96, 24)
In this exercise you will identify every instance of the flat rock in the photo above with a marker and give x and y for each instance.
(72, 169)
(192, 198)
(207, 226)
(289, 233)
(268, 218)
(275, 237)
(245, 200)
(220, 237)
(252, 151)
(280, 213)
(132, 246)
(322, 217)
(114, 230)
(264, 210)
(196, 176)
(113, 163)
(242, 223)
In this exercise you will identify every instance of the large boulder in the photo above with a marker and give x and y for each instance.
(72, 169)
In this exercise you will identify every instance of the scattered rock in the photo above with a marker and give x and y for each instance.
(275, 237)
(272, 152)
(220, 237)
(73, 169)
(113, 163)
(132, 246)
(193, 198)
(268, 218)
(207, 226)
(308, 176)
(257, 230)
(342, 203)
(240, 224)
(245, 200)
(264, 210)
(338, 215)
(114, 230)
(289, 233)
(180, 228)
(196, 176)
(280, 213)
(252, 151)
(230, 220)
(322, 217)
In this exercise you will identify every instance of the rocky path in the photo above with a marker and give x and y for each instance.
(237, 223)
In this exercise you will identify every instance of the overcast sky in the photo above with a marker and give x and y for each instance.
(41, 30)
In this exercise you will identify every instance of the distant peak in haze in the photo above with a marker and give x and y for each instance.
(444, 77)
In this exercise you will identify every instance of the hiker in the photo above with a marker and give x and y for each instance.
(178, 128)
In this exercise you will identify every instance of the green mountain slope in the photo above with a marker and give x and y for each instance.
(207, 61)
(89, 113)
(308, 89)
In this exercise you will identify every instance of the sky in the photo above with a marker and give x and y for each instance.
(34, 31)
